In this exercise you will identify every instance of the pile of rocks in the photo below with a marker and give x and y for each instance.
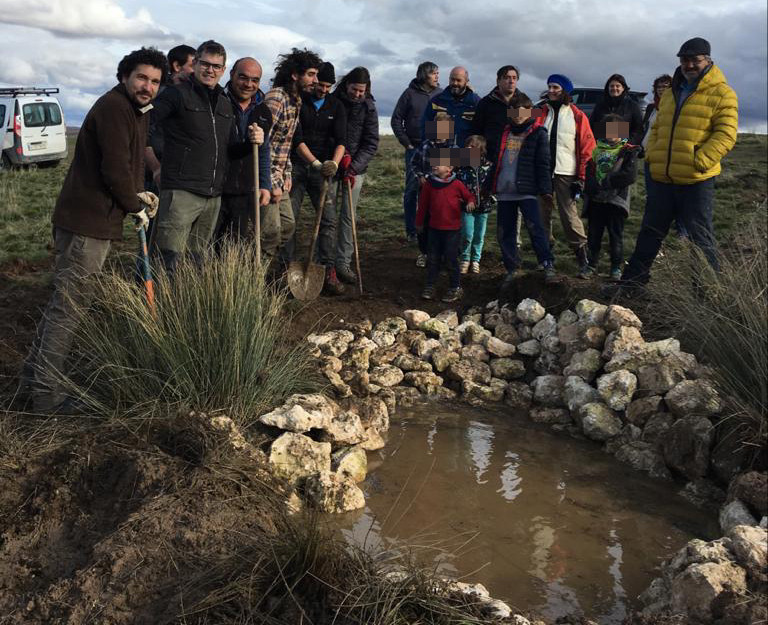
(589, 372)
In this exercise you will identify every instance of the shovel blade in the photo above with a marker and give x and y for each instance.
(305, 283)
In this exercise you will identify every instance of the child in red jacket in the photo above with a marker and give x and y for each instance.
(441, 200)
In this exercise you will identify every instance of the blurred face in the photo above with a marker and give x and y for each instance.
(245, 79)
(554, 92)
(441, 171)
(520, 115)
(659, 89)
(615, 88)
(356, 91)
(507, 83)
(615, 131)
(209, 68)
(307, 80)
(142, 84)
(692, 66)
(443, 129)
(458, 82)
(433, 78)
(321, 89)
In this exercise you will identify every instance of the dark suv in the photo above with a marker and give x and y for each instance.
(586, 99)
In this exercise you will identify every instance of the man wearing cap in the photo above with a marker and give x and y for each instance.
(696, 127)
(570, 143)
(318, 148)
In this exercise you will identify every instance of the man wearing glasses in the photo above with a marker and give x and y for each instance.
(696, 127)
(196, 118)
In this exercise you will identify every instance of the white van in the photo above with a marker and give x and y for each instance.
(32, 125)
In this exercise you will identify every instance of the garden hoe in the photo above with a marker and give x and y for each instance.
(306, 281)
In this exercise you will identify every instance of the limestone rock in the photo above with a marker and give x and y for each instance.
(410, 362)
(694, 397)
(414, 318)
(360, 328)
(507, 333)
(629, 434)
(451, 341)
(658, 379)
(518, 395)
(449, 317)
(529, 311)
(584, 364)
(332, 362)
(406, 395)
(530, 348)
(301, 413)
(425, 381)
(702, 591)
(434, 327)
(507, 368)
(332, 493)
(750, 545)
(472, 370)
(644, 354)
(350, 462)
(333, 343)
(385, 355)
(474, 352)
(599, 422)
(497, 347)
(642, 456)
(295, 456)
(617, 388)
(567, 317)
(443, 393)
(443, 358)
(577, 393)
(409, 337)
(547, 363)
(423, 348)
(373, 440)
(383, 338)
(386, 375)
(344, 429)
(623, 339)
(618, 316)
(491, 320)
(592, 313)
(640, 410)
(752, 489)
(733, 514)
(373, 411)
(544, 328)
(340, 388)
(476, 334)
(539, 414)
(494, 392)
(703, 494)
(686, 446)
(548, 390)
(394, 325)
(358, 358)
(656, 428)
(551, 344)
(524, 332)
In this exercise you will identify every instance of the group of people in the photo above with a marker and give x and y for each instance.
(169, 129)
(532, 160)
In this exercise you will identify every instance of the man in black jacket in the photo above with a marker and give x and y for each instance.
(237, 207)
(196, 118)
(362, 142)
(318, 148)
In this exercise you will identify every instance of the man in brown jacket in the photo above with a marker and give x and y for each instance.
(104, 184)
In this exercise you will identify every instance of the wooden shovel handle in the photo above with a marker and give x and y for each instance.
(318, 218)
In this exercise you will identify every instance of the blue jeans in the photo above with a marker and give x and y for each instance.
(443, 244)
(692, 205)
(411, 195)
(507, 231)
(473, 226)
(650, 188)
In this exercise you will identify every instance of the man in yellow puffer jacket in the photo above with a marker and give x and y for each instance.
(695, 128)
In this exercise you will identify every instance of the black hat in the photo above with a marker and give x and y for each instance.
(695, 47)
(326, 73)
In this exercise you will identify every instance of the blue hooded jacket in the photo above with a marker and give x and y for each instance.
(461, 110)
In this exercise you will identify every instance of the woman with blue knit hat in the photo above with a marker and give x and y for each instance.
(571, 143)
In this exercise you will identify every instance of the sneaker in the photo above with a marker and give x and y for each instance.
(464, 266)
(411, 238)
(586, 272)
(345, 274)
(474, 266)
(616, 273)
(428, 293)
(421, 260)
(332, 285)
(550, 275)
(453, 295)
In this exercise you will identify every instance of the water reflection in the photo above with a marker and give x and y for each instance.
(544, 521)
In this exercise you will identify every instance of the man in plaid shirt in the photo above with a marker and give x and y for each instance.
(295, 72)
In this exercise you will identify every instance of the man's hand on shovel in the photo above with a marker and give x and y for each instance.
(148, 202)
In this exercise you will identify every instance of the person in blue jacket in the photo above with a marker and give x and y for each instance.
(459, 101)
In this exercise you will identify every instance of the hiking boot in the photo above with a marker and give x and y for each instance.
(464, 266)
(453, 295)
(586, 272)
(421, 260)
(428, 293)
(550, 275)
(332, 286)
(615, 273)
(345, 274)
(474, 266)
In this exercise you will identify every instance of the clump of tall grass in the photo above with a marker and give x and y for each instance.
(723, 317)
(219, 341)
(10, 194)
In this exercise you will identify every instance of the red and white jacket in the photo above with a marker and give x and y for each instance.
(575, 140)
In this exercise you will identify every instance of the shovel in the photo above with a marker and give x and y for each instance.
(348, 184)
(146, 273)
(256, 206)
(306, 281)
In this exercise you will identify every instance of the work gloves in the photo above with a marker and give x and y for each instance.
(329, 168)
(148, 202)
(346, 168)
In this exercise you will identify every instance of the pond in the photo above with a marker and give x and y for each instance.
(546, 522)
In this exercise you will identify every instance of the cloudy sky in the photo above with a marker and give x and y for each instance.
(76, 44)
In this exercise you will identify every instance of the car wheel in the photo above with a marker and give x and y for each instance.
(5, 163)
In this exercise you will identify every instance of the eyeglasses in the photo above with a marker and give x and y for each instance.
(692, 60)
(254, 79)
(216, 67)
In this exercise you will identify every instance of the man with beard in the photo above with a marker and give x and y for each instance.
(252, 119)
(459, 101)
(295, 73)
(696, 127)
(103, 185)
(407, 125)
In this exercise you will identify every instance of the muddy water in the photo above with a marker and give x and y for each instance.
(546, 522)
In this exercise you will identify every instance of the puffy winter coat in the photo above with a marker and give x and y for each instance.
(623, 106)
(615, 186)
(687, 144)
(408, 113)
(461, 109)
(491, 117)
(583, 139)
(534, 175)
(362, 139)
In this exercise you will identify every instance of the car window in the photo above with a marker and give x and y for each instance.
(40, 114)
(2, 114)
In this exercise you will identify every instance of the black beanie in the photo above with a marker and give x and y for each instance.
(326, 73)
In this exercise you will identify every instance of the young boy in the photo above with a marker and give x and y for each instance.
(473, 224)
(440, 202)
(522, 174)
(610, 172)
